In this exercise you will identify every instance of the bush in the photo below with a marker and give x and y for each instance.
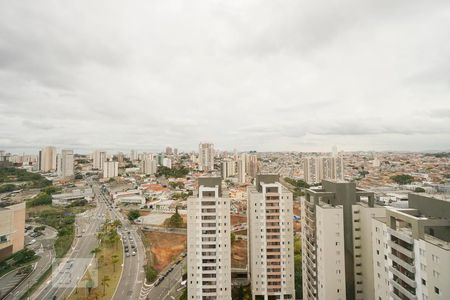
(150, 274)
(133, 215)
(175, 221)
(175, 172)
(402, 179)
(4, 188)
(419, 190)
(41, 199)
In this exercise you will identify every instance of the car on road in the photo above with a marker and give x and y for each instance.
(134, 253)
(127, 254)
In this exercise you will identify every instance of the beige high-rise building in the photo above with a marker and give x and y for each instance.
(98, 159)
(110, 169)
(316, 169)
(252, 165)
(411, 250)
(66, 163)
(241, 174)
(336, 241)
(228, 168)
(149, 166)
(206, 157)
(12, 229)
(47, 159)
(209, 245)
(270, 239)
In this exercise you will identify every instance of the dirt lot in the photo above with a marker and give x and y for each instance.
(165, 247)
(239, 254)
(238, 219)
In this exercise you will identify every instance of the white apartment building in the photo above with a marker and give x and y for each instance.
(336, 242)
(47, 159)
(315, 169)
(110, 169)
(148, 166)
(206, 157)
(66, 163)
(167, 162)
(98, 159)
(228, 168)
(411, 250)
(209, 245)
(270, 239)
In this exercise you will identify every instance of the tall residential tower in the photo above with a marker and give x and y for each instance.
(270, 239)
(209, 245)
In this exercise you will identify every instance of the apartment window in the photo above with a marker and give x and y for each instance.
(424, 282)
(436, 274)
(436, 290)
(378, 252)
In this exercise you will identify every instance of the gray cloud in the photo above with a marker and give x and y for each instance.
(263, 75)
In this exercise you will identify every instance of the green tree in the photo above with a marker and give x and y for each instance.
(175, 221)
(298, 268)
(133, 215)
(402, 179)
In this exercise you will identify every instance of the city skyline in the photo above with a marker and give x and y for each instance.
(296, 76)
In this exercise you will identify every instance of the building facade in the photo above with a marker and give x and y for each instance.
(209, 245)
(316, 169)
(336, 244)
(270, 239)
(98, 159)
(110, 169)
(65, 167)
(206, 157)
(411, 250)
(12, 229)
(47, 159)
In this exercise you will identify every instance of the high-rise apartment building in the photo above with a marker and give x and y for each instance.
(336, 241)
(228, 168)
(411, 250)
(12, 228)
(66, 163)
(47, 159)
(252, 165)
(240, 172)
(98, 159)
(110, 169)
(148, 166)
(167, 162)
(270, 239)
(206, 157)
(133, 155)
(169, 151)
(209, 245)
(315, 169)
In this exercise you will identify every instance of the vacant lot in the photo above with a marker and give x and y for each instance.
(238, 219)
(239, 254)
(164, 247)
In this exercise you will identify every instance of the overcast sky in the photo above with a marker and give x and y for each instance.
(252, 75)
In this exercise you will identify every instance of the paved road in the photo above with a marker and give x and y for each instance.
(170, 287)
(133, 275)
(43, 248)
(66, 273)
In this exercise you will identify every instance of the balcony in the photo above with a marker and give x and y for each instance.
(403, 277)
(395, 296)
(401, 249)
(402, 263)
(403, 290)
(402, 233)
